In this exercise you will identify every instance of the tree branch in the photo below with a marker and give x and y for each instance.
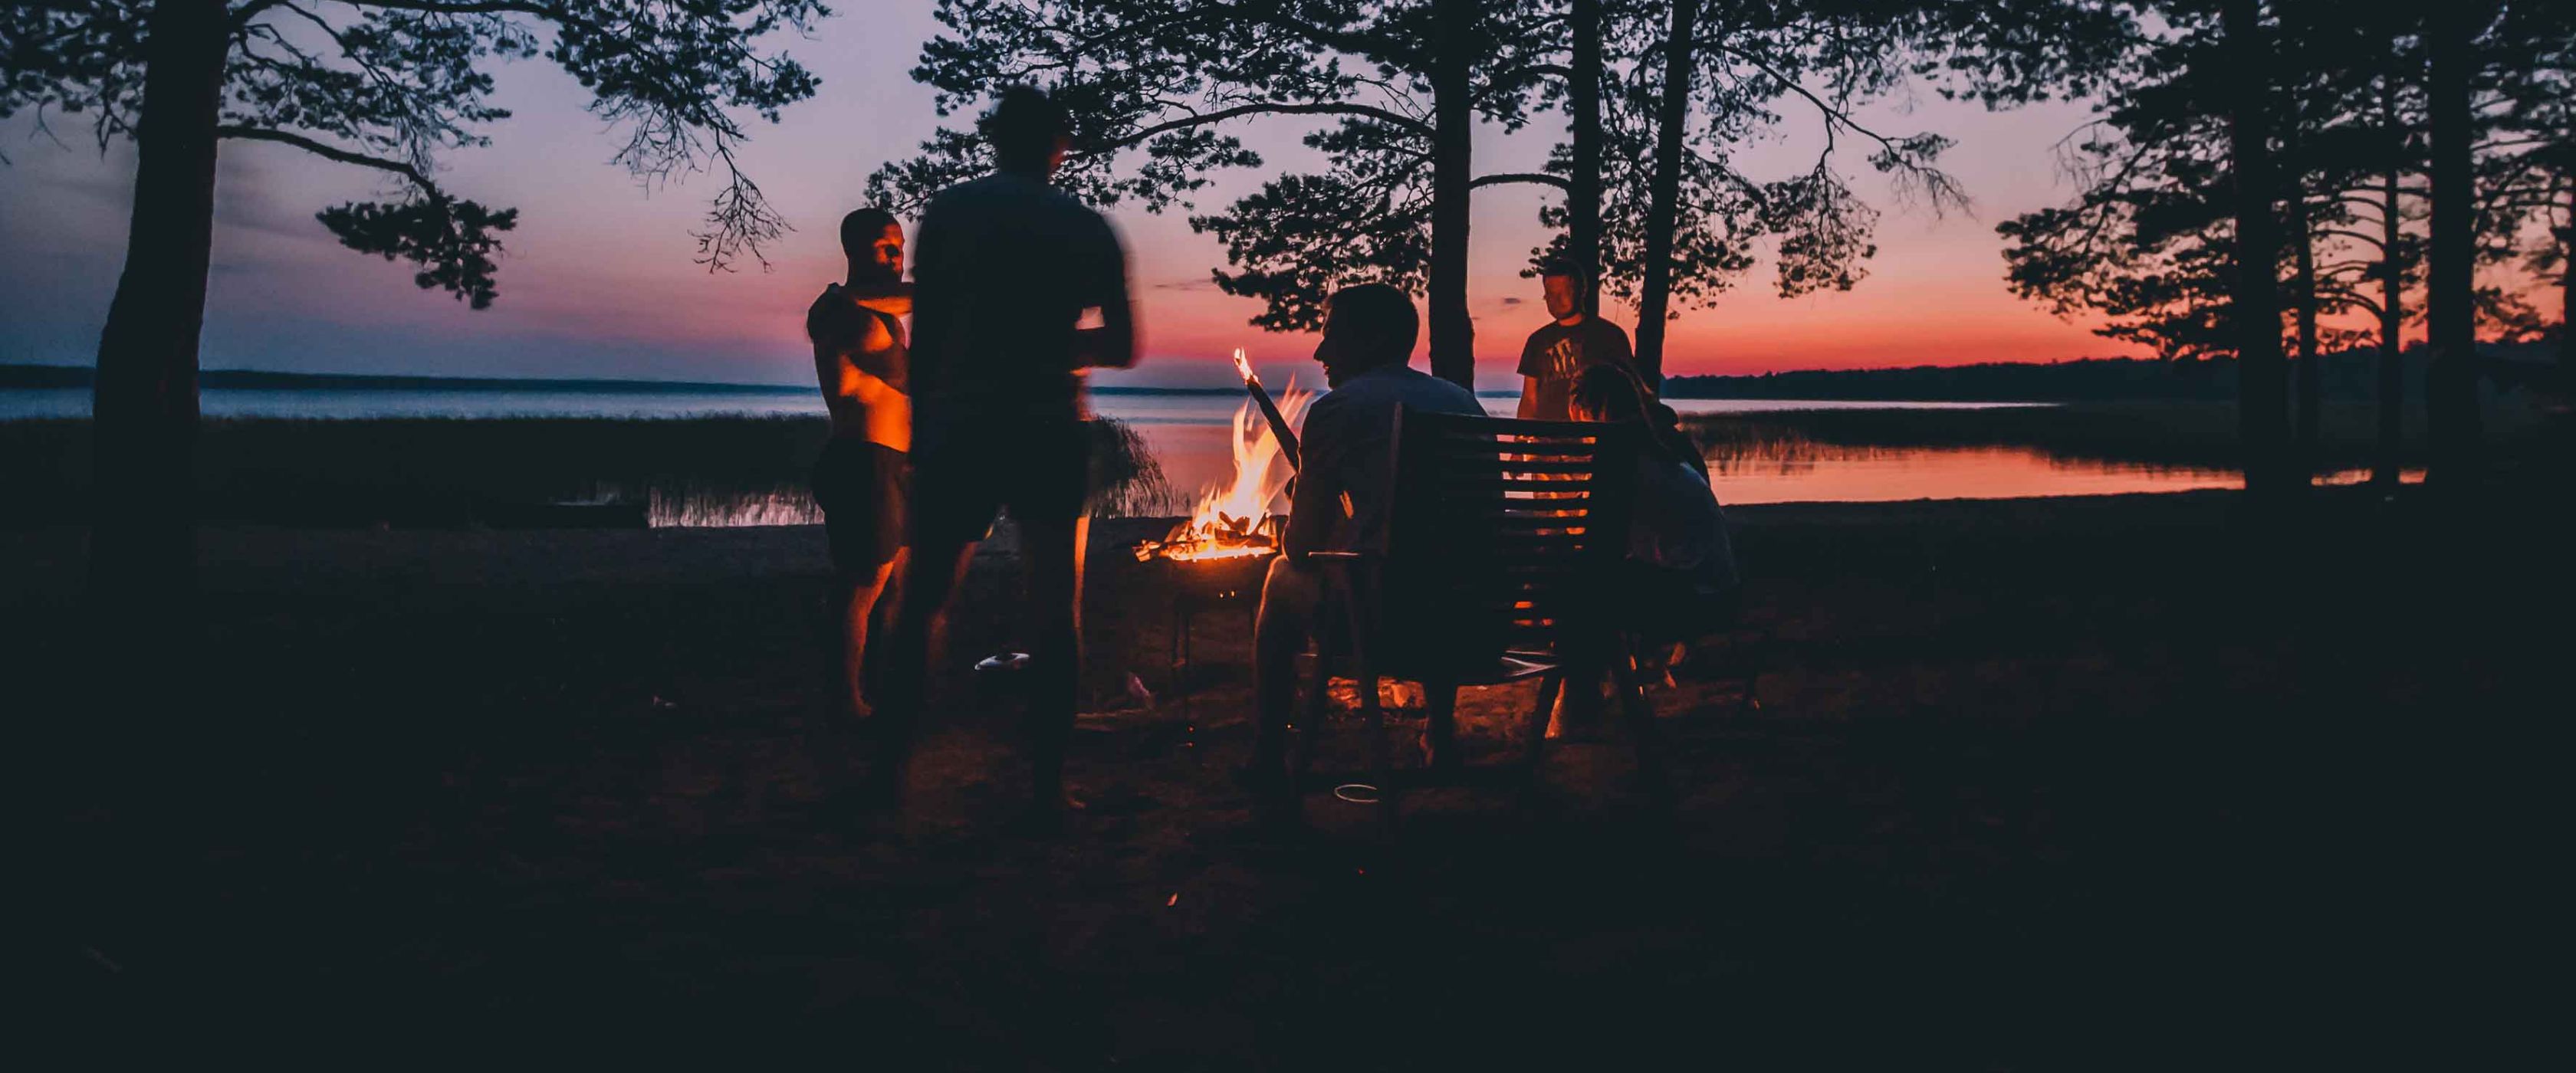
(1358, 45)
(1200, 119)
(252, 10)
(328, 152)
(2337, 232)
(466, 7)
(1558, 181)
(1937, 185)
(1832, 113)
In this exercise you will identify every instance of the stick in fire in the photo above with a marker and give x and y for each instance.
(1278, 423)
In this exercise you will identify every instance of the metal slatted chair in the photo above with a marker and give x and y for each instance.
(1503, 538)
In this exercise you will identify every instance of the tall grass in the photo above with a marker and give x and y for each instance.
(455, 471)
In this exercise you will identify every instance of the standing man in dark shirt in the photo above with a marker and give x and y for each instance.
(1006, 267)
(860, 479)
(1551, 362)
(1558, 353)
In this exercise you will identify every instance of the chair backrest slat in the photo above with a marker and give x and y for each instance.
(1502, 533)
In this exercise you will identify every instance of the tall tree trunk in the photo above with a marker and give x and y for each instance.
(2392, 287)
(1663, 202)
(2311, 375)
(1583, 187)
(2451, 387)
(1453, 116)
(142, 538)
(2262, 384)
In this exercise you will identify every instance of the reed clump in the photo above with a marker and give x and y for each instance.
(463, 471)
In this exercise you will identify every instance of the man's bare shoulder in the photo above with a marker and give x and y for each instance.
(892, 299)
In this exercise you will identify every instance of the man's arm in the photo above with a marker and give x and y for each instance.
(929, 320)
(1317, 506)
(1113, 344)
(1533, 363)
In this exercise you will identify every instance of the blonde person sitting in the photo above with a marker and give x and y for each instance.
(1681, 573)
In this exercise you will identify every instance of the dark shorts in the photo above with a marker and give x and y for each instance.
(862, 488)
(1038, 471)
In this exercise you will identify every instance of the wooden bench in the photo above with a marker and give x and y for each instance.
(1503, 543)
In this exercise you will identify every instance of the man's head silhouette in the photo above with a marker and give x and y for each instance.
(874, 243)
(1365, 327)
(1028, 130)
(1562, 283)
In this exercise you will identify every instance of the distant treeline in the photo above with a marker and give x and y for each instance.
(2084, 380)
(2348, 376)
(82, 376)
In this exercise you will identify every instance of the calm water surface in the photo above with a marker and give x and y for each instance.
(1189, 435)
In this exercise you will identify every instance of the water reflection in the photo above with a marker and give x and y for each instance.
(1787, 468)
(1775, 466)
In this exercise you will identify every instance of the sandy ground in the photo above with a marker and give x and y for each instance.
(2036, 784)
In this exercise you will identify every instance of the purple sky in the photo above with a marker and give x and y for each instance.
(598, 280)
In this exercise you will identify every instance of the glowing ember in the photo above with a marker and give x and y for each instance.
(1231, 521)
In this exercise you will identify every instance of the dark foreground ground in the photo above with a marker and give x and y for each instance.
(2030, 785)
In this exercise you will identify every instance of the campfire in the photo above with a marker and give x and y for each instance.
(1235, 520)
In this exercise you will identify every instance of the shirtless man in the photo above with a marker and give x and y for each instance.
(861, 480)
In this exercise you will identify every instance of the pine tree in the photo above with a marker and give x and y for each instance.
(384, 85)
(1157, 83)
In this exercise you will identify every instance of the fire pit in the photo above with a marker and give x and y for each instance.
(1207, 571)
(1218, 555)
(1219, 561)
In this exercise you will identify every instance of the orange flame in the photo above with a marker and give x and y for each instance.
(1243, 368)
(1228, 523)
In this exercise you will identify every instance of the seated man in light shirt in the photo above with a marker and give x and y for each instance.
(1343, 482)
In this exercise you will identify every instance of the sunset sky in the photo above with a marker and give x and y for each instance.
(598, 280)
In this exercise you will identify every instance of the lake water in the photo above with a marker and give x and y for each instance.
(1189, 435)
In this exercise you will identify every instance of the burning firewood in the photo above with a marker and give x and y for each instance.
(1235, 521)
(1269, 410)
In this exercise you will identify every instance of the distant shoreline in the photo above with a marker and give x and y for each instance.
(34, 376)
(2349, 375)
(82, 376)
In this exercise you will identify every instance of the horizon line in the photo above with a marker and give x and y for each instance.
(430, 381)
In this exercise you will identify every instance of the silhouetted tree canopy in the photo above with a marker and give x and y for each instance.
(2149, 241)
(1152, 84)
(1154, 87)
(391, 85)
(2529, 163)
(1755, 70)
